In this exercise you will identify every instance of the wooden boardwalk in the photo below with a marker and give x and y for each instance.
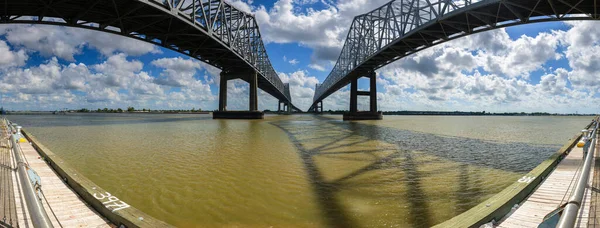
(67, 206)
(8, 208)
(594, 221)
(551, 194)
(63, 206)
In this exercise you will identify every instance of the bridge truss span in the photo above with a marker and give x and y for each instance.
(212, 31)
(403, 27)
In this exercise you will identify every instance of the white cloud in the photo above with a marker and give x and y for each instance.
(316, 67)
(302, 87)
(9, 58)
(490, 71)
(117, 71)
(66, 43)
(322, 30)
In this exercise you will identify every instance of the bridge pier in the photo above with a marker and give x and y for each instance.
(286, 108)
(372, 114)
(319, 108)
(252, 113)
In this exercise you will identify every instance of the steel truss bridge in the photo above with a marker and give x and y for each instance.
(403, 27)
(211, 31)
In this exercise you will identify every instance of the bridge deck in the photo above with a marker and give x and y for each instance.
(551, 194)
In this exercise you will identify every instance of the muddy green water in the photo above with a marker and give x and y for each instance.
(302, 171)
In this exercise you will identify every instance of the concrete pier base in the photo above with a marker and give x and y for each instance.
(238, 115)
(363, 116)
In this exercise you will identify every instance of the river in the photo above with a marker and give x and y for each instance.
(302, 170)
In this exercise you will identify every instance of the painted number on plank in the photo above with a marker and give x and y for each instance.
(526, 179)
(111, 202)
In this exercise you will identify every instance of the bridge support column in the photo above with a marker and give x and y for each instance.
(319, 108)
(373, 91)
(286, 108)
(354, 95)
(278, 106)
(252, 113)
(253, 80)
(223, 93)
(372, 114)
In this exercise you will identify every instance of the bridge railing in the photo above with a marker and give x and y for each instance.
(235, 28)
(373, 31)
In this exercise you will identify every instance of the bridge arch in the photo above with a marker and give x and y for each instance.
(211, 31)
(403, 27)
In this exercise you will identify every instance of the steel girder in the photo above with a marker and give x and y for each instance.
(403, 27)
(212, 31)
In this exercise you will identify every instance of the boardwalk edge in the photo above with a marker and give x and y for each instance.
(90, 192)
(499, 205)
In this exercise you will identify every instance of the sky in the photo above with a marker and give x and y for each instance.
(545, 67)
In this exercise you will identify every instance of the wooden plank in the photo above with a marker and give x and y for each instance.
(551, 193)
(67, 206)
(496, 207)
(119, 213)
(8, 210)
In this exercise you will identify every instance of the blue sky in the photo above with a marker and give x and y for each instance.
(535, 67)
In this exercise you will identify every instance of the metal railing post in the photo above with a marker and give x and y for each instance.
(38, 215)
(569, 215)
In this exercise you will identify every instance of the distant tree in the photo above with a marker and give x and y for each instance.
(144, 109)
(119, 110)
(130, 109)
(105, 109)
(193, 109)
(99, 110)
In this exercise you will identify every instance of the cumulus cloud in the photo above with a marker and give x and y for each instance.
(486, 71)
(10, 58)
(302, 87)
(66, 43)
(117, 81)
(178, 72)
(490, 71)
(323, 30)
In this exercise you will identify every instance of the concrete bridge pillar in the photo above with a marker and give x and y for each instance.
(319, 107)
(279, 106)
(252, 113)
(354, 95)
(373, 91)
(253, 100)
(285, 108)
(372, 114)
(223, 92)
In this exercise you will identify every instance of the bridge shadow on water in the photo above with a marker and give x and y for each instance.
(409, 157)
